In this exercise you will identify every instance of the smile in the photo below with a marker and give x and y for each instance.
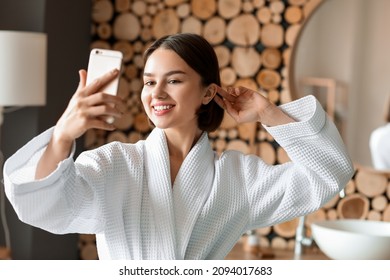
(162, 107)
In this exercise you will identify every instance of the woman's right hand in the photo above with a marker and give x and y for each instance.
(88, 108)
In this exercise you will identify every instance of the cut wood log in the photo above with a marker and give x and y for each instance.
(319, 215)
(87, 238)
(273, 95)
(266, 152)
(293, 14)
(173, 3)
(104, 31)
(272, 35)
(291, 34)
(278, 243)
(100, 44)
(122, 6)
(246, 82)
(243, 30)
(354, 206)
(374, 216)
(287, 229)
(214, 30)
(228, 9)
(264, 15)
(264, 231)
(228, 76)
(117, 136)
(166, 22)
(203, 9)
(386, 214)
(246, 61)
(277, 7)
(332, 202)
(123, 88)
(371, 184)
(125, 48)
(134, 137)
(271, 58)
(232, 134)
(192, 25)
(102, 11)
(89, 252)
(228, 122)
(141, 123)
(247, 7)
(238, 145)
(5, 253)
(268, 79)
(310, 6)
(223, 55)
(282, 155)
(331, 214)
(379, 203)
(139, 8)
(125, 122)
(297, 2)
(126, 27)
(183, 10)
(258, 3)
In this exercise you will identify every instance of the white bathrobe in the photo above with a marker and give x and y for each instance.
(123, 192)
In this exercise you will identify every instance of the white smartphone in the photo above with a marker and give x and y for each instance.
(102, 61)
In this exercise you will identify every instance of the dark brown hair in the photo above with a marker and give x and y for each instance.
(200, 56)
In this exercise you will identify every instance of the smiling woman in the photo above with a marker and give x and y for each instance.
(171, 196)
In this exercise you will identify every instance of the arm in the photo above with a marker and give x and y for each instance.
(320, 167)
(85, 111)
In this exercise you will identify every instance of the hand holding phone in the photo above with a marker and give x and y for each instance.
(102, 61)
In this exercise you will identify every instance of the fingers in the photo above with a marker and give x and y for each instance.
(229, 94)
(100, 82)
(83, 79)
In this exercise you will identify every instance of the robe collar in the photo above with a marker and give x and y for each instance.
(176, 210)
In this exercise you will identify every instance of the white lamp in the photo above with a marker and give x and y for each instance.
(22, 69)
(22, 81)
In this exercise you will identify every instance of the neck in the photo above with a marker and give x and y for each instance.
(181, 142)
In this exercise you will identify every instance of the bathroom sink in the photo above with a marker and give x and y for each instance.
(350, 239)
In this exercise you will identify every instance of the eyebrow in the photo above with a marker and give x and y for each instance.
(166, 74)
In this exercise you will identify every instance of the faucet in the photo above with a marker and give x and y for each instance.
(300, 238)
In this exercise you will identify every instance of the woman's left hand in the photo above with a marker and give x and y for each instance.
(246, 105)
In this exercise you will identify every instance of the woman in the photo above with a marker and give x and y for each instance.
(171, 196)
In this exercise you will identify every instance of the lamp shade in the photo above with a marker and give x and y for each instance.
(22, 68)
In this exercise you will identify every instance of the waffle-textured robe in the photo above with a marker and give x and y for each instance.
(123, 192)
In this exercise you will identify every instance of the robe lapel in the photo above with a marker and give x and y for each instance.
(191, 189)
(159, 183)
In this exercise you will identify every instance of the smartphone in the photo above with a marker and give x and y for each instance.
(102, 61)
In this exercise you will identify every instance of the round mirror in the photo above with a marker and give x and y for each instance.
(342, 57)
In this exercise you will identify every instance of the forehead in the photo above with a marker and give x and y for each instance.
(163, 60)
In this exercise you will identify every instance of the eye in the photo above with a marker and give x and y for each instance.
(149, 83)
(173, 81)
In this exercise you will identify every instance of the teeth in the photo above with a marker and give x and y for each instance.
(162, 107)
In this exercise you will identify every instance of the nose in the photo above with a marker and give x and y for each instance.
(158, 92)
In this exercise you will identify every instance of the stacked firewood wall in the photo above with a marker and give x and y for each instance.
(254, 41)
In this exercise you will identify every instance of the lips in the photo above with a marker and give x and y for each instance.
(159, 108)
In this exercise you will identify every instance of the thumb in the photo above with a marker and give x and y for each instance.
(83, 79)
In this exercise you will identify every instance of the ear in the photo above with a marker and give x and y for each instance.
(211, 90)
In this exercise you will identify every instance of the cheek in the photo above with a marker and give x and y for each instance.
(145, 98)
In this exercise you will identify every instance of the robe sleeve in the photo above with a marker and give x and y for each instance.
(63, 202)
(319, 168)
